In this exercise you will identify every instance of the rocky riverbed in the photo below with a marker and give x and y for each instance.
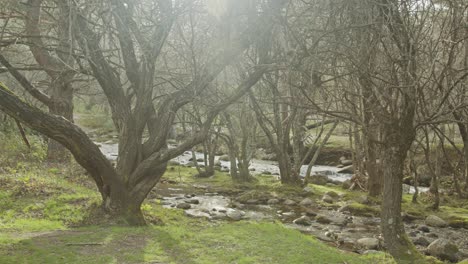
(330, 217)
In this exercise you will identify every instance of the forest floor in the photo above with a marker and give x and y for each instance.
(50, 214)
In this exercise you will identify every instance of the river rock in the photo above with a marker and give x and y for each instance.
(273, 201)
(323, 219)
(310, 212)
(196, 213)
(306, 202)
(368, 243)
(235, 215)
(266, 172)
(363, 199)
(308, 190)
(303, 220)
(332, 194)
(421, 241)
(346, 184)
(443, 249)
(252, 201)
(193, 201)
(289, 202)
(318, 179)
(424, 229)
(183, 206)
(435, 221)
(327, 198)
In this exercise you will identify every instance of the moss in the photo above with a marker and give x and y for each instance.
(362, 210)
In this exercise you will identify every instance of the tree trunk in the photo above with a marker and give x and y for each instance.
(61, 105)
(396, 240)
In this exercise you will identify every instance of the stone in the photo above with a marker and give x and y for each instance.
(252, 169)
(234, 215)
(193, 201)
(252, 201)
(323, 219)
(303, 220)
(288, 214)
(289, 202)
(413, 233)
(371, 251)
(421, 241)
(332, 194)
(196, 214)
(306, 202)
(346, 184)
(363, 199)
(443, 249)
(318, 179)
(273, 201)
(310, 213)
(173, 163)
(183, 206)
(424, 229)
(266, 172)
(368, 243)
(435, 221)
(308, 190)
(327, 198)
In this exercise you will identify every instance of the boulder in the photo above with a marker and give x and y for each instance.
(289, 202)
(197, 213)
(421, 241)
(368, 243)
(234, 215)
(183, 206)
(193, 201)
(435, 221)
(332, 194)
(308, 190)
(346, 184)
(310, 213)
(323, 219)
(318, 179)
(443, 249)
(306, 202)
(424, 229)
(303, 220)
(273, 201)
(327, 198)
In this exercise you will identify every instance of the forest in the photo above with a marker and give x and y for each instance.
(234, 131)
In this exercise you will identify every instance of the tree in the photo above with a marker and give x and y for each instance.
(134, 107)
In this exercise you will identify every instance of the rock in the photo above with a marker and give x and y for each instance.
(303, 220)
(443, 249)
(424, 229)
(332, 194)
(289, 202)
(323, 219)
(310, 213)
(224, 158)
(346, 169)
(319, 179)
(196, 213)
(363, 199)
(252, 169)
(235, 215)
(327, 198)
(308, 190)
(190, 164)
(432, 235)
(273, 201)
(413, 233)
(193, 201)
(217, 168)
(371, 251)
(368, 243)
(183, 206)
(435, 221)
(288, 214)
(346, 184)
(406, 188)
(346, 162)
(421, 241)
(407, 217)
(252, 201)
(266, 172)
(306, 202)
